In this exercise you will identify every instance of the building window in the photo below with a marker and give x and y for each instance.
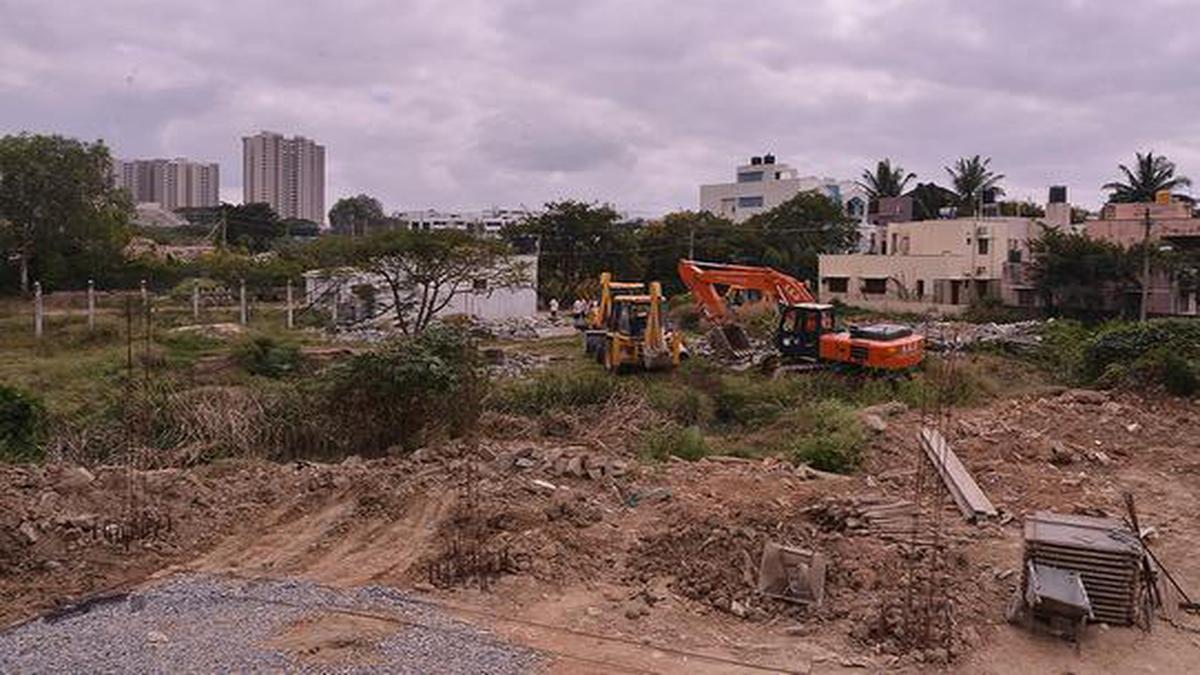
(983, 246)
(750, 176)
(750, 202)
(1014, 255)
(479, 285)
(920, 288)
(837, 284)
(877, 286)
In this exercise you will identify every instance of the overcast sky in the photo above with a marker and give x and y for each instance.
(470, 103)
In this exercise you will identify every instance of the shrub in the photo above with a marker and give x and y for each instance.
(403, 392)
(830, 439)
(1158, 352)
(1178, 376)
(674, 440)
(22, 417)
(991, 309)
(549, 390)
(684, 404)
(267, 357)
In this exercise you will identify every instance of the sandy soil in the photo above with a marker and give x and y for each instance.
(663, 586)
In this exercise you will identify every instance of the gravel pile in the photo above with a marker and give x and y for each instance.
(202, 624)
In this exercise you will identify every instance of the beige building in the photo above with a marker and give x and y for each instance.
(287, 173)
(171, 183)
(936, 266)
(764, 184)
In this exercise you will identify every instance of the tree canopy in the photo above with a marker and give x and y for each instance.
(576, 241)
(887, 180)
(1076, 274)
(62, 221)
(793, 234)
(357, 215)
(426, 271)
(972, 177)
(1150, 174)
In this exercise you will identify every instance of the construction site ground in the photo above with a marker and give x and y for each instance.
(613, 564)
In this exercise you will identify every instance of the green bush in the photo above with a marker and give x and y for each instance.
(1063, 350)
(22, 418)
(991, 309)
(403, 392)
(1127, 342)
(830, 438)
(673, 440)
(684, 404)
(1178, 376)
(549, 390)
(265, 356)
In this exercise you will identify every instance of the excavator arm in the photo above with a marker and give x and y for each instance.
(702, 278)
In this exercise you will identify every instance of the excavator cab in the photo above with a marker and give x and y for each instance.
(801, 327)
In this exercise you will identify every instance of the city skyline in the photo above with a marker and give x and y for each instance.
(549, 100)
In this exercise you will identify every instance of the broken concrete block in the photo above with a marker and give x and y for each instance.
(575, 466)
(28, 531)
(874, 423)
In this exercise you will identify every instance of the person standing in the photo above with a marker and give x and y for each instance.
(554, 309)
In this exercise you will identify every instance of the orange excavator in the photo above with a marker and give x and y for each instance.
(807, 329)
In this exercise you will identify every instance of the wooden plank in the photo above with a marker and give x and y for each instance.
(970, 499)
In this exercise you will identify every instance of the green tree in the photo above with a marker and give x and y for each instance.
(64, 219)
(1021, 209)
(1151, 174)
(253, 226)
(426, 271)
(794, 233)
(972, 176)
(886, 181)
(929, 199)
(664, 242)
(1076, 274)
(356, 216)
(576, 241)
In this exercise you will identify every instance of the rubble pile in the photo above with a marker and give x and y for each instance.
(948, 335)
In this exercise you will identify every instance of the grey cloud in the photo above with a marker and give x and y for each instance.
(637, 102)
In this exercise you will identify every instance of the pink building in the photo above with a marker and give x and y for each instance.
(1171, 224)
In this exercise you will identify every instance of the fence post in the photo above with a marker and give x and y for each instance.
(38, 312)
(243, 302)
(91, 305)
(337, 290)
(290, 319)
(196, 300)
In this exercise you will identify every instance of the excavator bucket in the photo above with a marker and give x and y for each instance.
(729, 340)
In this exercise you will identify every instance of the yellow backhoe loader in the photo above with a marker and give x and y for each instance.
(626, 328)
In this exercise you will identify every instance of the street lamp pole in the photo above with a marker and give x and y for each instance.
(1143, 310)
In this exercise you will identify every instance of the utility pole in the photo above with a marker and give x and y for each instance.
(1143, 310)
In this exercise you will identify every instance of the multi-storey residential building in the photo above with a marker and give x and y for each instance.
(171, 183)
(764, 184)
(936, 266)
(287, 173)
(488, 221)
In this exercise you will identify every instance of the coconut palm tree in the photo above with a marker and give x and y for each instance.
(972, 176)
(886, 181)
(1152, 174)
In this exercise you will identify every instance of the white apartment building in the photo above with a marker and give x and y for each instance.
(171, 183)
(764, 184)
(487, 221)
(287, 173)
(936, 266)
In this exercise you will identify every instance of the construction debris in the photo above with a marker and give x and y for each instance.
(1105, 554)
(971, 500)
(949, 335)
(792, 574)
